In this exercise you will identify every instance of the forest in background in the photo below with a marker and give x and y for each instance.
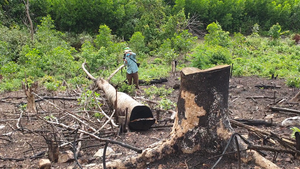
(254, 36)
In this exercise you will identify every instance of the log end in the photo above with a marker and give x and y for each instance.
(141, 118)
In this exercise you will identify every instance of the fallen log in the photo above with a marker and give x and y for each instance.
(122, 102)
(153, 81)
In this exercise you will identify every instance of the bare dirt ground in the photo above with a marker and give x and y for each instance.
(23, 135)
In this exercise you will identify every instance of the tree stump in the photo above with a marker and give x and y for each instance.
(28, 89)
(201, 123)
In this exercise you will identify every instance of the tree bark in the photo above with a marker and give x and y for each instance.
(140, 117)
(29, 18)
(203, 108)
(28, 89)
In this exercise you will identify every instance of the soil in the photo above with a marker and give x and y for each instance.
(24, 137)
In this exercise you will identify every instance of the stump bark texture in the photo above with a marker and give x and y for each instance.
(201, 123)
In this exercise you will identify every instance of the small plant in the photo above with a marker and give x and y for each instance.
(126, 88)
(88, 100)
(23, 107)
(166, 104)
(52, 86)
(255, 29)
(294, 129)
(49, 117)
(293, 82)
(98, 115)
(155, 91)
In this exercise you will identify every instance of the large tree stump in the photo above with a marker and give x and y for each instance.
(201, 122)
(202, 109)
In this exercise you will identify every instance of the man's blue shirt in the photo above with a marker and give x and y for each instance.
(131, 65)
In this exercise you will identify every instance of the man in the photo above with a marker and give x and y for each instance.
(132, 68)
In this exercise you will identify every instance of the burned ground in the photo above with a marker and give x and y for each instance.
(23, 136)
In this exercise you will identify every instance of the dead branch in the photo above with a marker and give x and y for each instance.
(267, 86)
(88, 74)
(296, 98)
(285, 110)
(283, 141)
(29, 18)
(76, 116)
(94, 136)
(269, 148)
(19, 119)
(259, 97)
(116, 71)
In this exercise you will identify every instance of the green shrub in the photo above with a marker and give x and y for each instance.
(216, 36)
(293, 82)
(208, 56)
(8, 85)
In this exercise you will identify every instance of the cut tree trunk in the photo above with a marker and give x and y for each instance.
(201, 123)
(139, 116)
(29, 90)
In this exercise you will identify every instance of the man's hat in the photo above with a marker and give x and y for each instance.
(127, 49)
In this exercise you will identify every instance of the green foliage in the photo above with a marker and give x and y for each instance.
(255, 29)
(50, 117)
(126, 88)
(275, 31)
(166, 51)
(104, 38)
(183, 42)
(294, 129)
(98, 115)
(154, 91)
(137, 43)
(149, 27)
(216, 36)
(88, 100)
(11, 42)
(153, 71)
(166, 104)
(293, 82)
(8, 85)
(208, 56)
(23, 107)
